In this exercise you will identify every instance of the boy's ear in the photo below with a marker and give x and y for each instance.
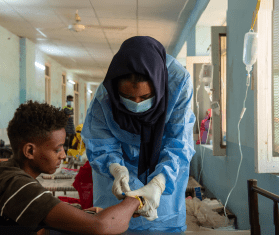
(28, 150)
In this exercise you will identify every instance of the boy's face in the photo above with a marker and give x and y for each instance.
(48, 156)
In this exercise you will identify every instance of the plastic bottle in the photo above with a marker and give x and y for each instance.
(250, 49)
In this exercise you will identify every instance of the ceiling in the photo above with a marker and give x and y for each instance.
(89, 53)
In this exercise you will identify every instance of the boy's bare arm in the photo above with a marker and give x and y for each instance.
(113, 220)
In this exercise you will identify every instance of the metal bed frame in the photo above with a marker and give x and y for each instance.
(253, 191)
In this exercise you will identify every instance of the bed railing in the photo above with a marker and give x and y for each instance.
(253, 191)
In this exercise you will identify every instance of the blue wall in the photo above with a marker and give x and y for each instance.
(219, 173)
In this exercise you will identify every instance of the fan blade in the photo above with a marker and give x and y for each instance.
(52, 29)
(107, 27)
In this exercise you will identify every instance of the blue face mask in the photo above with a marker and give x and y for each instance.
(137, 107)
(69, 103)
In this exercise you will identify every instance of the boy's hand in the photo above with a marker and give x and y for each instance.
(94, 209)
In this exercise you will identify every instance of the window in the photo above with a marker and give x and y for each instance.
(85, 100)
(76, 87)
(216, 92)
(223, 87)
(266, 92)
(93, 89)
(194, 65)
(76, 103)
(219, 91)
(63, 89)
(47, 84)
(275, 78)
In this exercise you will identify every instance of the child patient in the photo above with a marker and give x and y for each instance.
(37, 135)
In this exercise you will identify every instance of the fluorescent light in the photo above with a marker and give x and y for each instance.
(40, 66)
(89, 91)
(94, 83)
(70, 81)
(41, 32)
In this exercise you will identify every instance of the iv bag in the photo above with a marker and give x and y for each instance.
(206, 74)
(250, 49)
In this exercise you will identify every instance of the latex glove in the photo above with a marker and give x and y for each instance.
(152, 194)
(121, 180)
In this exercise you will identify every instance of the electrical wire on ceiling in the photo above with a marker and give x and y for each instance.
(186, 2)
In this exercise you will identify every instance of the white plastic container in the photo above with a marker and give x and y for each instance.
(206, 74)
(250, 49)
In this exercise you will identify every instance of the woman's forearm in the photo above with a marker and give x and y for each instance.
(115, 219)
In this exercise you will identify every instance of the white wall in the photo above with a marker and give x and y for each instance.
(203, 40)
(35, 76)
(9, 75)
(35, 79)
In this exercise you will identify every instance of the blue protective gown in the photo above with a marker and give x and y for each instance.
(106, 143)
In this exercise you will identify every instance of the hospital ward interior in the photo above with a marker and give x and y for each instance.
(139, 117)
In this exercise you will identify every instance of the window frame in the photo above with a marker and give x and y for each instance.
(48, 84)
(91, 94)
(85, 100)
(264, 160)
(64, 89)
(76, 103)
(216, 31)
(217, 139)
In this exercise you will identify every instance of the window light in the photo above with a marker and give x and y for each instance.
(40, 66)
(72, 82)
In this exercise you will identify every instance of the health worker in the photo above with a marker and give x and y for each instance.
(138, 135)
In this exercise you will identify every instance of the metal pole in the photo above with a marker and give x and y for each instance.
(253, 208)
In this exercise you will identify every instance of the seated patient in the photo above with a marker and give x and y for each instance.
(37, 134)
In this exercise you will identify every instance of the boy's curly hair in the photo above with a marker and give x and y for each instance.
(34, 122)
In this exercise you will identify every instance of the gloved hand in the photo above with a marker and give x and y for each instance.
(121, 180)
(152, 194)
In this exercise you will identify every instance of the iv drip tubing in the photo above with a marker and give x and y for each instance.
(202, 155)
(239, 143)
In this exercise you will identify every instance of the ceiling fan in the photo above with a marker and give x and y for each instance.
(77, 27)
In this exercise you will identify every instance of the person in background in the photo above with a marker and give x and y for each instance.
(78, 147)
(138, 135)
(70, 128)
(37, 134)
(204, 128)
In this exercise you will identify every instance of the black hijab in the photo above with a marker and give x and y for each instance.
(147, 56)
